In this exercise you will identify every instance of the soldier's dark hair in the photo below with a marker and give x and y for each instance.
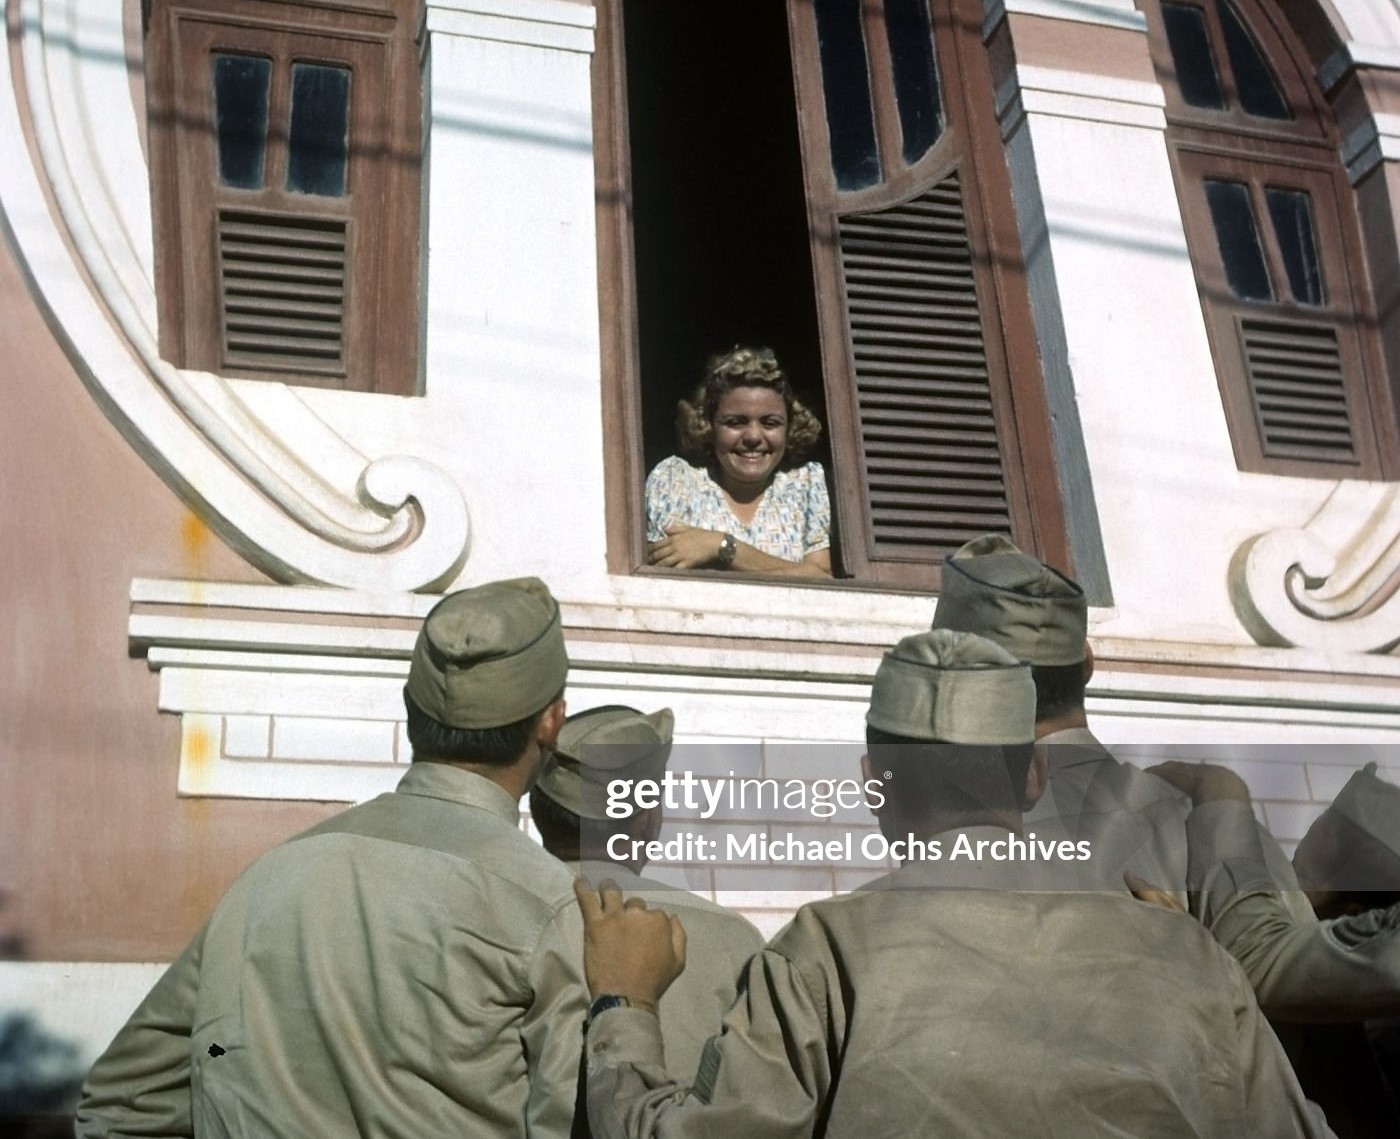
(1059, 690)
(559, 827)
(567, 835)
(943, 779)
(436, 742)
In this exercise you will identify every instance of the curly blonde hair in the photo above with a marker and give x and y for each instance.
(743, 367)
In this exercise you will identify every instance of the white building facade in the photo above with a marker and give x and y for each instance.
(276, 538)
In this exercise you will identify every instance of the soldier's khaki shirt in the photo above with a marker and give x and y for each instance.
(719, 944)
(907, 1010)
(411, 967)
(1228, 870)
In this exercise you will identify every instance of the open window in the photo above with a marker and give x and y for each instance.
(285, 143)
(1273, 232)
(826, 177)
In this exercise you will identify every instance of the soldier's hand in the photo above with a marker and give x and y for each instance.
(628, 950)
(1203, 782)
(1144, 891)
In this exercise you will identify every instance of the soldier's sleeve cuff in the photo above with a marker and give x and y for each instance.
(1225, 852)
(625, 1036)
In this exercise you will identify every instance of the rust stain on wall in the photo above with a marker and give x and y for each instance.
(198, 756)
(195, 540)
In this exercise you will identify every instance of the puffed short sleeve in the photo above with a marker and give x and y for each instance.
(669, 496)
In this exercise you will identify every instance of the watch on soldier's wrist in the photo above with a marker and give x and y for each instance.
(728, 547)
(608, 1001)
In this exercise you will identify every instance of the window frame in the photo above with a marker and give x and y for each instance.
(1028, 461)
(380, 324)
(1301, 153)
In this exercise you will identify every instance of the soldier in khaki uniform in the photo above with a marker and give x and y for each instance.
(944, 999)
(407, 968)
(569, 806)
(1349, 860)
(1197, 829)
(1349, 865)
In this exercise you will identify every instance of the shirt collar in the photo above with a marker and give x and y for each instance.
(1071, 746)
(444, 781)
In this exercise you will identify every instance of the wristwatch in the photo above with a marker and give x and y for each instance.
(607, 1001)
(728, 547)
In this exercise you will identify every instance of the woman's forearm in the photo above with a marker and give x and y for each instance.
(750, 559)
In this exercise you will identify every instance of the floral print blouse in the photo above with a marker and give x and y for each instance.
(793, 518)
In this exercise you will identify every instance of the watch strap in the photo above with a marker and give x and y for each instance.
(605, 1002)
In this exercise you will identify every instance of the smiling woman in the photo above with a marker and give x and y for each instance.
(740, 496)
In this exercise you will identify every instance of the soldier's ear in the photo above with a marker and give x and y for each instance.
(649, 823)
(1088, 663)
(1037, 777)
(868, 774)
(551, 720)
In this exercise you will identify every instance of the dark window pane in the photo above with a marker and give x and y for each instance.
(1259, 94)
(1195, 66)
(1291, 213)
(240, 118)
(318, 142)
(915, 78)
(1238, 236)
(846, 83)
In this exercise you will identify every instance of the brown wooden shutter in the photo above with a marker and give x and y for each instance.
(934, 395)
(282, 291)
(1298, 386)
(931, 461)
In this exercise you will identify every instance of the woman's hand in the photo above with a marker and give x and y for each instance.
(685, 547)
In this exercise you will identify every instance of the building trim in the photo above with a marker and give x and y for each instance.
(554, 24)
(1107, 13)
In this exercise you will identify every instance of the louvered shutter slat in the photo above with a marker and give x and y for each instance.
(267, 342)
(916, 476)
(292, 304)
(282, 322)
(927, 402)
(928, 433)
(283, 291)
(897, 381)
(877, 289)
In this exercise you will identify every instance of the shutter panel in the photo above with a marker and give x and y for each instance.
(932, 465)
(1297, 384)
(282, 296)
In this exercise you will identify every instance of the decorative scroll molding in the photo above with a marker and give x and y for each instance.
(302, 504)
(1330, 585)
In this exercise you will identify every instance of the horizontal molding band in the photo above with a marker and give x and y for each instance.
(1099, 99)
(1106, 13)
(550, 24)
